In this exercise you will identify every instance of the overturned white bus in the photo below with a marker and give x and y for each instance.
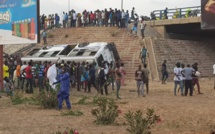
(88, 52)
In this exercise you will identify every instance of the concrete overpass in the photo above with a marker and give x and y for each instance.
(180, 27)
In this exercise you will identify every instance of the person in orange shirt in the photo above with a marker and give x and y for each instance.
(18, 73)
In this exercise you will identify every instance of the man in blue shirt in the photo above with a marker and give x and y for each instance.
(187, 73)
(63, 93)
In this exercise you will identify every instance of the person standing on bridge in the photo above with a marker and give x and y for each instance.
(165, 13)
(142, 26)
(44, 35)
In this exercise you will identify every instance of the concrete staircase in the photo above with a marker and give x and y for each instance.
(127, 45)
(187, 52)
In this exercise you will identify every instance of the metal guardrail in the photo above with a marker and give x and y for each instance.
(184, 12)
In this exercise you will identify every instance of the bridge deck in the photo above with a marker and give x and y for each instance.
(174, 21)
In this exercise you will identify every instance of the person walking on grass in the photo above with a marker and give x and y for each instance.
(182, 78)
(63, 94)
(118, 77)
(146, 79)
(187, 73)
(178, 78)
(195, 77)
(164, 72)
(139, 77)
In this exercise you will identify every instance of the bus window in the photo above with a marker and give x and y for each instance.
(81, 52)
(100, 59)
(67, 50)
(34, 51)
(54, 54)
(93, 53)
(43, 54)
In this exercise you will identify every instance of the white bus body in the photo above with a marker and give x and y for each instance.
(88, 52)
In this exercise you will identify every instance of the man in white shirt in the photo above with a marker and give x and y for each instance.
(214, 74)
(142, 27)
(74, 18)
(64, 17)
(123, 15)
(178, 78)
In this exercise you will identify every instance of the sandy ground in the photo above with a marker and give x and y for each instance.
(179, 115)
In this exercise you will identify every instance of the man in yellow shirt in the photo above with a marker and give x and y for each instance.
(5, 70)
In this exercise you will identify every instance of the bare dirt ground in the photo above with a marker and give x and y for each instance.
(179, 115)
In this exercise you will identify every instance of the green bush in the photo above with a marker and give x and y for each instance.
(82, 101)
(72, 113)
(107, 111)
(48, 100)
(139, 124)
(17, 99)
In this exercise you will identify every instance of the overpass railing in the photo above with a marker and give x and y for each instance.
(184, 12)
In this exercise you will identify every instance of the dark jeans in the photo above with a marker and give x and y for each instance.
(61, 98)
(23, 82)
(118, 85)
(73, 23)
(144, 60)
(142, 33)
(122, 23)
(18, 81)
(164, 76)
(40, 82)
(103, 85)
(146, 82)
(92, 82)
(188, 85)
(29, 81)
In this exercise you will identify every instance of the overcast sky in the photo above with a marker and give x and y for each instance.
(143, 7)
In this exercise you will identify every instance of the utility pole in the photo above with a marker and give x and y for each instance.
(68, 6)
(121, 4)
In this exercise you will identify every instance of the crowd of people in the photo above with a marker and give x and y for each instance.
(32, 75)
(111, 17)
(106, 17)
(186, 77)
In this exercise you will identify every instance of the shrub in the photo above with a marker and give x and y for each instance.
(48, 100)
(72, 113)
(107, 111)
(82, 101)
(140, 125)
(17, 99)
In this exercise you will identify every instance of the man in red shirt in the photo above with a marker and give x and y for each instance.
(29, 78)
